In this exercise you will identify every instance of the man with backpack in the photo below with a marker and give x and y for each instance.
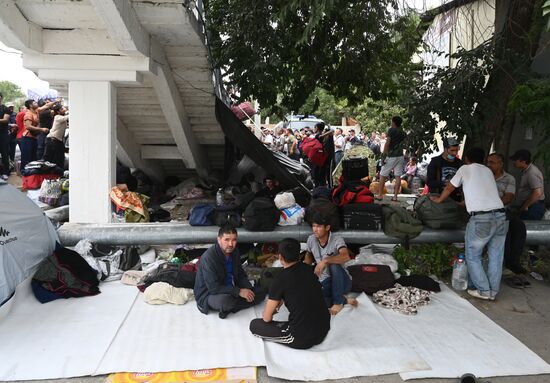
(329, 253)
(487, 225)
(221, 283)
(299, 289)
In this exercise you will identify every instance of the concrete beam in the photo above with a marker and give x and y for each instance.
(16, 31)
(90, 75)
(78, 41)
(177, 119)
(87, 62)
(123, 25)
(163, 152)
(129, 153)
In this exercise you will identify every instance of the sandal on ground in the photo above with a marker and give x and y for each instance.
(514, 282)
(524, 281)
(394, 199)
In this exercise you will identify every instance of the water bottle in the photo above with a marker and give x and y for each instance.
(460, 273)
(219, 197)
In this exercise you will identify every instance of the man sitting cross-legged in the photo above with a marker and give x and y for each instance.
(221, 283)
(298, 288)
(329, 252)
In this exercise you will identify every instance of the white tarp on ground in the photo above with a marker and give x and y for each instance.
(116, 331)
(26, 237)
(176, 338)
(455, 338)
(63, 338)
(359, 343)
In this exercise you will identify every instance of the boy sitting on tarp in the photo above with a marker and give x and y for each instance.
(299, 289)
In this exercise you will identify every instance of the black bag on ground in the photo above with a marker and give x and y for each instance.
(223, 217)
(354, 169)
(172, 274)
(261, 215)
(362, 216)
(444, 215)
(326, 208)
(370, 278)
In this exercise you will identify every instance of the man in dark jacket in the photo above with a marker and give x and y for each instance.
(221, 283)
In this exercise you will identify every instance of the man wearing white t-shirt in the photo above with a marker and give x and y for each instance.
(339, 145)
(487, 225)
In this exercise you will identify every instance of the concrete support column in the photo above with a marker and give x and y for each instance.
(92, 150)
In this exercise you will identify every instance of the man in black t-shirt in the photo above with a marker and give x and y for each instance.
(299, 289)
(443, 168)
(45, 119)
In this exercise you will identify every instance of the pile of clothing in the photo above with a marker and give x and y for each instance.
(36, 172)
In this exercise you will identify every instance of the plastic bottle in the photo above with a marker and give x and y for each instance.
(460, 273)
(219, 197)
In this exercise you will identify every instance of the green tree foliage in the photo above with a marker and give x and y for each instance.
(450, 95)
(372, 115)
(10, 91)
(280, 51)
(532, 102)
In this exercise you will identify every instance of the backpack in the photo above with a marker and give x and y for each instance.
(221, 217)
(261, 215)
(314, 151)
(327, 208)
(444, 215)
(370, 278)
(351, 192)
(200, 214)
(400, 223)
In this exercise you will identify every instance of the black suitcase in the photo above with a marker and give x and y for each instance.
(362, 216)
(353, 169)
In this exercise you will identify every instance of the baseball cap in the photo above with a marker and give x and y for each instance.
(450, 141)
(521, 154)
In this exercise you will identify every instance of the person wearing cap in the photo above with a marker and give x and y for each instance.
(267, 138)
(443, 168)
(298, 288)
(517, 233)
(329, 252)
(5, 115)
(487, 225)
(530, 196)
(55, 149)
(392, 157)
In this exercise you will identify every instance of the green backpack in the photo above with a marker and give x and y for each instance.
(444, 215)
(400, 223)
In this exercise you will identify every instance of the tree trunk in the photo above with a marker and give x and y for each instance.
(516, 44)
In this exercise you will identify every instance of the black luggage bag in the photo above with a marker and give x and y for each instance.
(362, 216)
(354, 169)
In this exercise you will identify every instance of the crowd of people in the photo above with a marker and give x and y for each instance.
(38, 128)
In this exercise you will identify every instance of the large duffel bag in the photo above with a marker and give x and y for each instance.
(370, 278)
(444, 215)
(327, 209)
(362, 216)
(200, 214)
(400, 223)
(261, 215)
(354, 169)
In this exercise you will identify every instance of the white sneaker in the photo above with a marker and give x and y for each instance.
(477, 294)
(4, 177)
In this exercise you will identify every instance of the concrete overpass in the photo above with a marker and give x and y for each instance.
(140, 85)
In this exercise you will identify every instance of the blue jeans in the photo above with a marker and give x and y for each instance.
(535, 212)
(335, 286)
(338, 157)
(486, 230)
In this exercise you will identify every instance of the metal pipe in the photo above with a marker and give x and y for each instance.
(58, 214)
(538, 233)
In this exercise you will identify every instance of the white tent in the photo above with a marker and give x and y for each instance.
(26, 237)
